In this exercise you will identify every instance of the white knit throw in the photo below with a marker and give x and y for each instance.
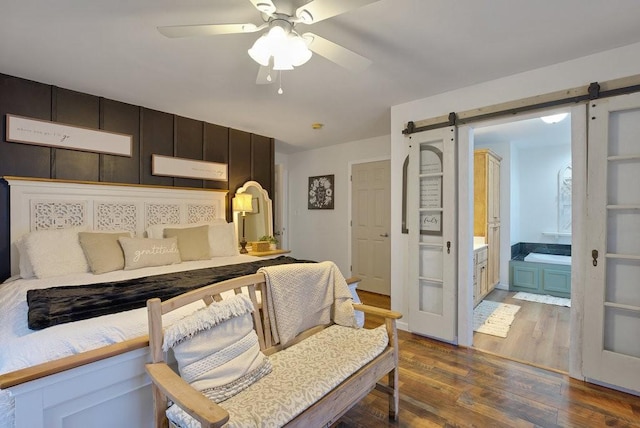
(303, 295)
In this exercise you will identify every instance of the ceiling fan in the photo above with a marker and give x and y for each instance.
(282, 47)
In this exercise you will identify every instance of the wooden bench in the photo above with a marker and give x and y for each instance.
(168, 385)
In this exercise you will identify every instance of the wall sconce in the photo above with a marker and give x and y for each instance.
(242, 203)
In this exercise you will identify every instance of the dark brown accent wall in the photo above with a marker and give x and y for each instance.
(248, 156)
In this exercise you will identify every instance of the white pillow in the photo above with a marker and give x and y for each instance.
(55, 252)
(223, 241)
(157, 230)
(26, 269)
(145, 252)
(217, 348)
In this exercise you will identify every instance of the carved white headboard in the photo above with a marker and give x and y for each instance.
(53, 204)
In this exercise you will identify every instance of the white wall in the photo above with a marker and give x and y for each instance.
(538, 189)
(616, 63)
(324, 234)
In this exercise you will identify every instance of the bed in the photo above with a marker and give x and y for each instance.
(90, 372)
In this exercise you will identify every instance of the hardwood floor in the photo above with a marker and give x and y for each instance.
(447, 386)
(539, 334)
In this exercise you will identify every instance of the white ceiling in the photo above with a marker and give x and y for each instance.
(418, 47)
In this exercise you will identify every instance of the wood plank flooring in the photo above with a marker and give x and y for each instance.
(447, 386)
(539, 334)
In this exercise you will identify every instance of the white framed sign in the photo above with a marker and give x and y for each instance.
(188, 168)
(51, 134)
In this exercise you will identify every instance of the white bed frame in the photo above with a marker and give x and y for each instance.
(106, 387)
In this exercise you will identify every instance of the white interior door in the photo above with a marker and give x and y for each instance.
(431, 220)
(370, 225)
(612, 298)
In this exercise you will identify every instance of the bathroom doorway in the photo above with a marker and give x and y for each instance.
(535, 217)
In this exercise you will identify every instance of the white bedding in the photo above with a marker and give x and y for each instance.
(22, 347)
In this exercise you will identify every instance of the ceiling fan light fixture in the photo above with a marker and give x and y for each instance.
(286, 47)
(267, 8)
(305, 16)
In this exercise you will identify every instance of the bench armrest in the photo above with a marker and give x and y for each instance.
(386, 313)
(192, 401)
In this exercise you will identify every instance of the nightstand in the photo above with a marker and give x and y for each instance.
(269, 253)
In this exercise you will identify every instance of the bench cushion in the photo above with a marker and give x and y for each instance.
(302, 374)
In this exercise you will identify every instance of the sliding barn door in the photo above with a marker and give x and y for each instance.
(612, 297)
(431, 220)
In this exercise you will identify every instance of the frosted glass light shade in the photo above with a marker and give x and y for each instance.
(554, 118)
(287, 50)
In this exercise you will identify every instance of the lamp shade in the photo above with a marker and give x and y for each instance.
(242, 202)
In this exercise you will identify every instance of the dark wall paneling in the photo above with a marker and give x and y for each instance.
(5, 249)
(124, 119)
(156, 138)
(239, 163)
(75, 108)
(188, 145)
(30, 99)
(262, 160)
(216, 149)
(249, 157)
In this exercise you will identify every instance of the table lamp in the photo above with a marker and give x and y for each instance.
(242, 203)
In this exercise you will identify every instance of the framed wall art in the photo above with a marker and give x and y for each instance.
(51, 134)
(321, 192)
(170, 166)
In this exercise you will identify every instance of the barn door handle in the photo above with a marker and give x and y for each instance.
(594, 254)
(384, 235)
(448, 247)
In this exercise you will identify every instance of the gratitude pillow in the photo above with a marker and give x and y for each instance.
(217, 349)
(193, 242)
(145, 252)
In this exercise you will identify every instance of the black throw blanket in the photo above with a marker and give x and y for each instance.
(58, 305)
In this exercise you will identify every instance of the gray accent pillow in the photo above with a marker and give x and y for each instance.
(193, 242)
(102, 250)
(144, 252)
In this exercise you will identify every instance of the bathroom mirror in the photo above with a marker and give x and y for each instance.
(259, 221)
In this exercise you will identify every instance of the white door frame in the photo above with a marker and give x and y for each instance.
(465, 228)
(282, 209)
(349, 204)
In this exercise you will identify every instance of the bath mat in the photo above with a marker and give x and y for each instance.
(543, 298)
(494, 318)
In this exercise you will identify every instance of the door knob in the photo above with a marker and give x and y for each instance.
(384, 235)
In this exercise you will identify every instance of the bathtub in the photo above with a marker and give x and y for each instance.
(548, 258)
(541, 274)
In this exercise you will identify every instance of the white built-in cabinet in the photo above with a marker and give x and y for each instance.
(486, 216)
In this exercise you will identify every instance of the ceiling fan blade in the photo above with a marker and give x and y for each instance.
(336, 53)
(264, 6)
(174, 31)
(317, 10)
(265, 76)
